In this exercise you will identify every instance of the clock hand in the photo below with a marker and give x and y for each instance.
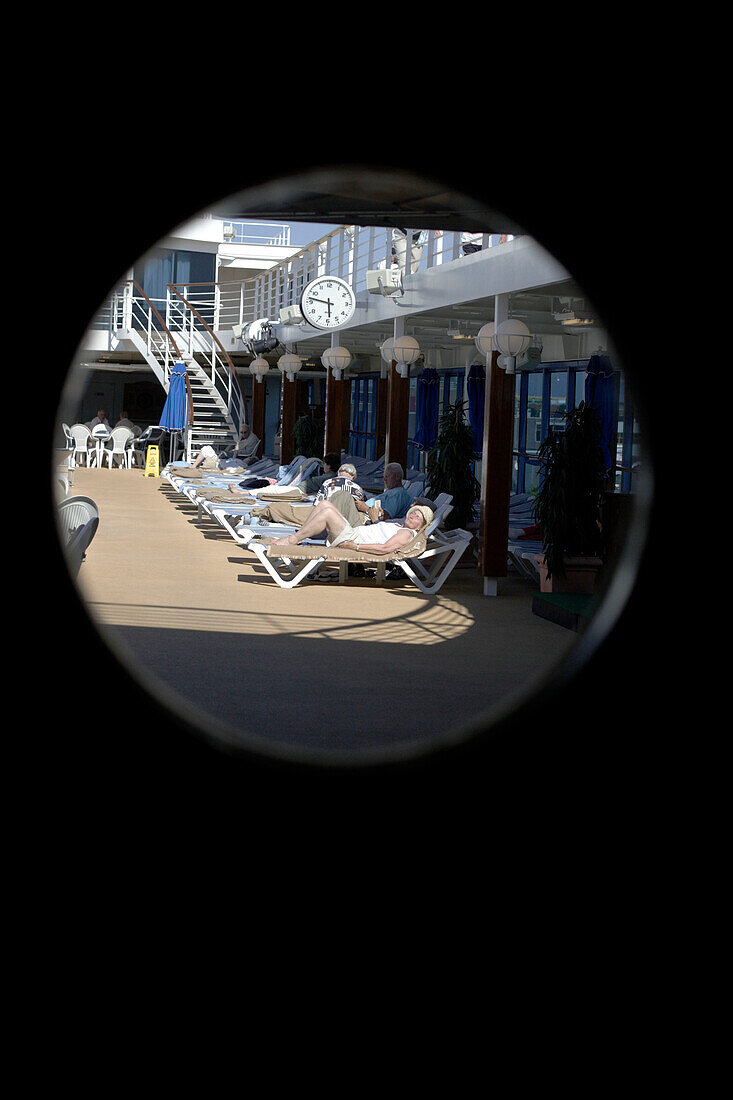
(323, 301)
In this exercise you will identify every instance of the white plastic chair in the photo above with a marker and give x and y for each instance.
(73, 513)
(78, 522)
(121, 439)
(81, 436)
(79, 544)
(69, 437)
(139, 445)
(99, 434)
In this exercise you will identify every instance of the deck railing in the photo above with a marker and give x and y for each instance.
(348, 253)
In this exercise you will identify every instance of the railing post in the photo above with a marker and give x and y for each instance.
(127, 306)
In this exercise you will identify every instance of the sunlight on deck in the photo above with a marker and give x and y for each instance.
(441, 620)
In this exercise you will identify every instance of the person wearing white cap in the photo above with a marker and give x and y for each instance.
(380, 538)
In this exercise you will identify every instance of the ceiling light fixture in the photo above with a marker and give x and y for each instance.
(259, 367)
(405, 351)
(290, 364)
(337, 358)
(512, 338)
(458, 334)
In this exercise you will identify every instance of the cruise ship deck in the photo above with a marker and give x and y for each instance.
(323, 672)
(348, 673)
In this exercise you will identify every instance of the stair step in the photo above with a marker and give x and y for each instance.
(210, 417)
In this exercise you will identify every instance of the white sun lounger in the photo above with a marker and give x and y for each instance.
(195, 489)
(215, 493)
(240, 511)
(242, 531)
(427, 563)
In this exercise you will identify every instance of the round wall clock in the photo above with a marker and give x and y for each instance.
(327, 302)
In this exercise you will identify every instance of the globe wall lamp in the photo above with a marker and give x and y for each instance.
(385, 349)
(512, 338)
(336, 359)
(405, 351)
(290, 364)
(259, 367)
(485, 339)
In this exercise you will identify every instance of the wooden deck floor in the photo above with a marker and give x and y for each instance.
(335, 672)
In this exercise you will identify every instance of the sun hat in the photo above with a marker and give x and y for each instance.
(427, 513)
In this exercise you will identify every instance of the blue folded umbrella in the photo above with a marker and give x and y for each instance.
(600, 394)
(175, 411)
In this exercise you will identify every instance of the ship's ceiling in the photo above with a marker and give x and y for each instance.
(367, 197)
(387, 198)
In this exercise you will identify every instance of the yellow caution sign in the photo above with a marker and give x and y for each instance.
(152, 462)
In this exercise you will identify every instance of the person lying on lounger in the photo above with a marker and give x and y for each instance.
(341, 480)
(380, 538)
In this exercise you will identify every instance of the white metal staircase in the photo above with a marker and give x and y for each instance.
(184, 336)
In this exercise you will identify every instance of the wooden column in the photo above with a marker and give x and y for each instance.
(496, 470)
(257, 414)
(301, 397)
(334, 413)
(287, 445)
(398, 411)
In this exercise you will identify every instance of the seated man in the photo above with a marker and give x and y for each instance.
(379, 539)
(343, 482)
(100, 418)
(125, 422)
(394, 501)
(242, 455)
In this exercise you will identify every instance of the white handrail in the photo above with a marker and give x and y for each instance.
(129, 311)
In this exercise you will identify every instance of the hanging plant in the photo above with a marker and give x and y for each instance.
(309, 432)
(450, 466)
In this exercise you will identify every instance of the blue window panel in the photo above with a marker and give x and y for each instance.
(363, 416)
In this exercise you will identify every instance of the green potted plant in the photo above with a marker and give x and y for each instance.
(450, 466)
(568, 504)
(309, 432)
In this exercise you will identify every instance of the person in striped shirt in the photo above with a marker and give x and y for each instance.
(343, 483)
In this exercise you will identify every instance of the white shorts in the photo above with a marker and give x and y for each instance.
(349, 534)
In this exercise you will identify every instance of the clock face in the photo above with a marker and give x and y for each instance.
(327, 302)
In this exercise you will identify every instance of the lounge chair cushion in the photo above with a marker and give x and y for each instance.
(340, 553)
